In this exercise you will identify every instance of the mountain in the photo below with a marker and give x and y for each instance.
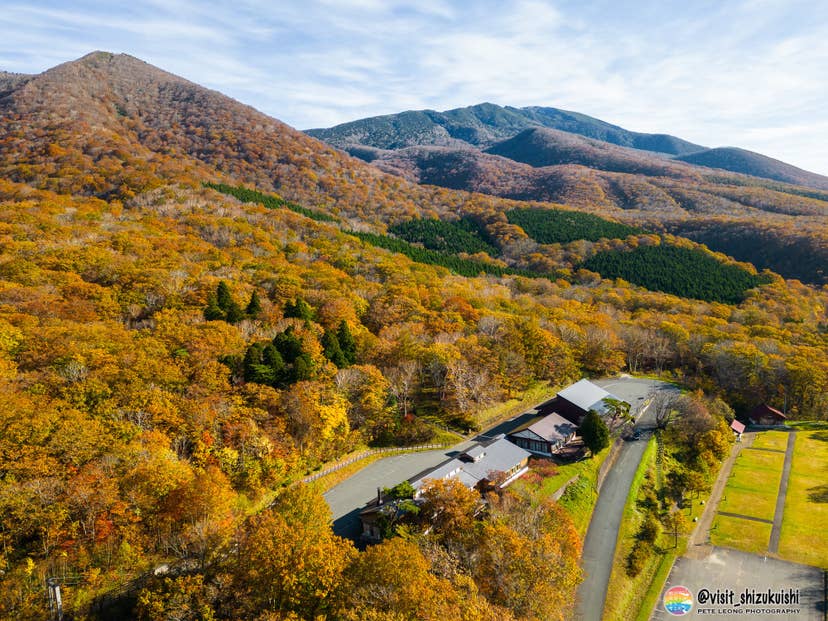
(131, 126)
(486, 126)
(549, 147)
(658, 181)
(755, 164)
(483, 125)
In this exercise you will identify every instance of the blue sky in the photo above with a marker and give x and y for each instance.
(748, 73)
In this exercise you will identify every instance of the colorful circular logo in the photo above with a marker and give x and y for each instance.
(678, 600)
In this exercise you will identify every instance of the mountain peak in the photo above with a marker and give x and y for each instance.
(109, 65)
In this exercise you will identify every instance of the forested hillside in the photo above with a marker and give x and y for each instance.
(484, 124)
(543, 154)
(174, 356)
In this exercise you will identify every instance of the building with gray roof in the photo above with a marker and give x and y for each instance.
(544, 436)
(478, 465)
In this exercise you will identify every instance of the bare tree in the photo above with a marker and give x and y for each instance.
(469, 384)
(664, 406)
(402, 379)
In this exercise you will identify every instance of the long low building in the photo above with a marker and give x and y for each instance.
(559, 418)
(574, 401)
(498, 462)
(482, 463)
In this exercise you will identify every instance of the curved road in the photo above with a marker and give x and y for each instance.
(599, 544)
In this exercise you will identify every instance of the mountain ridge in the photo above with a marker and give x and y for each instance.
(133, 127)
(755, 164)
(485, 125)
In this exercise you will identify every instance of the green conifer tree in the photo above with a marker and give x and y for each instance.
(254, 306)
(594, 432)
(346, 343)
(299, 309)
(212, 312)
(223, 296)
(332, 349)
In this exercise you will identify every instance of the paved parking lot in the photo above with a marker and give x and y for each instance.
(347, 498)
(725, 571)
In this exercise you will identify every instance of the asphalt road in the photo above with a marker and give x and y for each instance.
(349, 497)
(599, 544)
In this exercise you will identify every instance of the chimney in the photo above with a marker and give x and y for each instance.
(379, 497)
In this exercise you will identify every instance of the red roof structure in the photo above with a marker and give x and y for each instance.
(737, 426)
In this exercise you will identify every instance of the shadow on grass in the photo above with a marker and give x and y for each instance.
(814, 425)
(818, 494)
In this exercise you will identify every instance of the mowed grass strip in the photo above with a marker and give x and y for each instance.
(805, 521)
(754, 484)
(742, 534)
(775, 440)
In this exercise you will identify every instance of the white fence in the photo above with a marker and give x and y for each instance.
(364, 454)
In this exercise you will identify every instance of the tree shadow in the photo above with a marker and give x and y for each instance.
(818, 494)
(822, 436)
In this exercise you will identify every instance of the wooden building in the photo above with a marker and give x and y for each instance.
(766, 416)
(544, 436)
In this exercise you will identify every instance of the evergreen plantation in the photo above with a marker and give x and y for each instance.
(551, 226)
(677, 270)
(685, 272)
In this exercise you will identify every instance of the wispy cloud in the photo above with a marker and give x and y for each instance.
(747, 73)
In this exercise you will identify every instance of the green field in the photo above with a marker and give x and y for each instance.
(775, 440)
(805, 522)
(745, 535)
(754, 484)
(580, 497)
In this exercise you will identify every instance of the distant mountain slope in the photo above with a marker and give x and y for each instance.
(548, 147)
(483, 125)
(113, 127)
(590, 127)
(9, 81)
(460, 149)
(131, 126)
(755, 164)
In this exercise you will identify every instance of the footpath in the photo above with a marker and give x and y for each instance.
(698, 545)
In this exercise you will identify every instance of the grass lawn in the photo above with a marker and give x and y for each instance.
(745, 535)
(776, 440)
(754, 484)
(635, 598)
(579, 499)
(805, 521)
(587, 468)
